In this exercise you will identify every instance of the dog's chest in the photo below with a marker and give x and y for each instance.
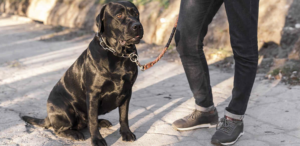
(121, 84)
(115, 90)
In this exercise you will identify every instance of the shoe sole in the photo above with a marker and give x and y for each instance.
(229, 143)
(196, 127)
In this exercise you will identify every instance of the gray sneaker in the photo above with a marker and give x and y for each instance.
(228, 132)
(196, 120)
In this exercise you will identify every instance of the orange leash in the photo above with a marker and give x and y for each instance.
(150, 64)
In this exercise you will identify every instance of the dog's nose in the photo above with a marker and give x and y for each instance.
(136, 26)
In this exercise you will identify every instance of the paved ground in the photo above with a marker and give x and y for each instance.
(29, 68)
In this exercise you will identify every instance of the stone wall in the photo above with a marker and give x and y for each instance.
(18, 7)
(157, 20)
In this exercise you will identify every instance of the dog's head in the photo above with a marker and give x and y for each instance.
(119, 25)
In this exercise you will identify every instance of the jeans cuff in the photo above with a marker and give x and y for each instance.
(204, 109)
(234, 116)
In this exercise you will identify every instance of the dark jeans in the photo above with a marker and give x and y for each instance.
(194, 18)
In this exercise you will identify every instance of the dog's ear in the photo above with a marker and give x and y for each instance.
(99, 20)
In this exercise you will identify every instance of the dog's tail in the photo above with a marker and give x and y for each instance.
(39, 122)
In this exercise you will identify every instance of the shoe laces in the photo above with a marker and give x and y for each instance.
(193, 115)
(226, 126)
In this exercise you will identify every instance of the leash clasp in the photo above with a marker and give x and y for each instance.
(133, 57)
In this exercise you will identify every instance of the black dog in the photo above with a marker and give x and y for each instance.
(99, 81)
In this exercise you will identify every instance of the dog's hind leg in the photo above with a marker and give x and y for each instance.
(102, 123)
(62, 119)
(63, 127)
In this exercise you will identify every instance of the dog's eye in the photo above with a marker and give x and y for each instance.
(137, 14)
(119, 16)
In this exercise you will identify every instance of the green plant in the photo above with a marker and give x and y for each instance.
(105, 1)
(16, 1)
(163, 3)
(140, 2)
(275, 72)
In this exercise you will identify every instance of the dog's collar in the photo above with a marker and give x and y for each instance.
(104, 45)
(132, 56)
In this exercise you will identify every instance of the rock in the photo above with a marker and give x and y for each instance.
(43, 7)
(279, 76)
(269, 50)
(14, 7)
(266, 63)
(295, 54)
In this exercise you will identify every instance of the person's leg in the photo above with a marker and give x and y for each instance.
(243, 19)
(194, 18)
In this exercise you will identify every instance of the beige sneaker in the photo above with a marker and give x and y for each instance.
(196, 120)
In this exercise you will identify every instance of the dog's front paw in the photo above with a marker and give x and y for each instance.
(128, 136)
(98, 142)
